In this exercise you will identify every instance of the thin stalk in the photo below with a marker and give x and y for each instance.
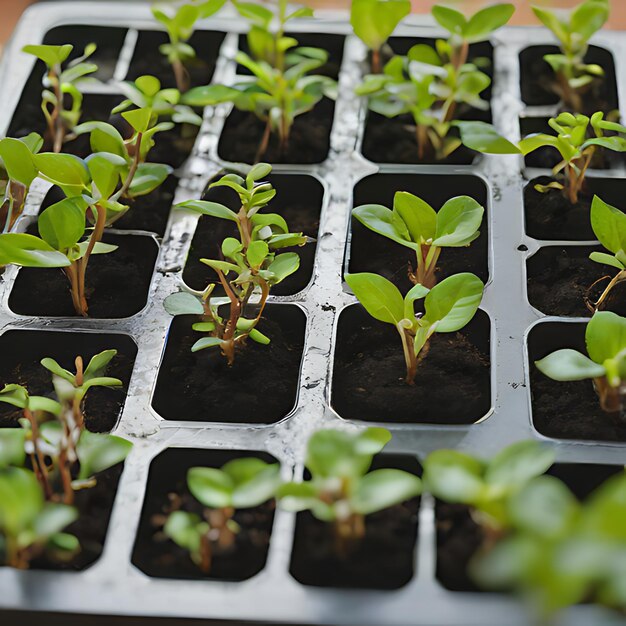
(133, 168)
(181, 75)
(9, 220)
(72, 275)
(96, 236)
(57, 117)
(376, 61)
(228, 343)
(77, 411)
(39, 462)
(265, 140)
(410, 358)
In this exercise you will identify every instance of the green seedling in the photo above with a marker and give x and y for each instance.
(609, 226)
(605, 339)
(486, 486)
(561, 553)
(571, 139)
(413, 223)
(59, 447)
(281, 87)
(240, 484)
(342, 490)
(253, 261)
(17, 160)
(62, 84)
(448, 307)
(574, 76)
(374, 21)
(180, 24)
(29, 525)
(431, 82)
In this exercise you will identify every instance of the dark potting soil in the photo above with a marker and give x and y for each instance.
(147, 59)
(537, 79)
(550, 216)
(371, 252)
(261, 387)
(94, 506)
(117, 282)
(566, 410)
(23, 351)
(560, 279)
(333, 44)
(452, 385)
(298, 199)
(383, 559)
(148, 213)
(309, 141)
(173, 147)
(157, 556)
(459, 537)
(549, 157)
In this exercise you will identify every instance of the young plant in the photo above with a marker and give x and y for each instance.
(609, 226)
(448, 307)
(574, 76)
(342, 490)
(17, 161)
(180, 25)
(486, 486)
(561, 553)
(29, 525)
(431, 82)
(374, 21)
(571, 139)
(605, 339)
(253, 260)
(60, 450)
(413, 223)
(240, 484)
(59, 86)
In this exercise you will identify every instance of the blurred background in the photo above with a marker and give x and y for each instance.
(12, 9)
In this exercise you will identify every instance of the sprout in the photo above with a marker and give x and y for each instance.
(605, 338)
(448, 307)
(341, 489)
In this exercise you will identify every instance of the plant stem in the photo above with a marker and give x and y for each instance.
(611, 398)
(57, 117)
(376, 61)
(181, 75)
(96, 237)
(77, 411)
(228, 343)
(265, 140)
(37, 458)
(427, 257)
(133, 168)
(410, 357)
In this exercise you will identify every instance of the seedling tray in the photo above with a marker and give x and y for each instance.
(512, 330)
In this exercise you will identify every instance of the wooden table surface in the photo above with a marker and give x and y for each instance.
(12, 9)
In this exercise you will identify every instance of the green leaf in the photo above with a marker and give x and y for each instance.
(517, 464)
(48, 405)
(606, 259)
(53, 519)
(418, 216)
(257, 172)
(588, 18)
(52, 56)
(103, 138)
(211, 487)
(371, 440)
(206, 342)
(381, 220)
(256, 488)
(259, 337)
(417, 292)
(296, 497)
(384, 488)
(98, 452)
(451, 20)
(148, 177)
(17, 160)
(149, 85)
(65, 170)
(212, 209)
(15, 395)
(484, 138)
(609, 225)
(12, 452)
(453, 302)
(29, 251)
(458, 222)
(209, 95)
(185, 529)
(257, 253)
(551, 21)
(380, 297)
(337, 454)
(63, 224)
(256, 13)
(605, 336)
(98, 364)
(453, 476)
(139, 119)
(486, 21)
(105, 169)
(284, 265)
(373, 21)
(566, 365)
(21, 500)
(183, 303)
(52, 366)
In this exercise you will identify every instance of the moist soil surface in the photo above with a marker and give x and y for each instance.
(550, 216)
(459, 537)
(567, 410)
(94, 506)
(383, 559)
(158, 556)
(561, 279)
(117, 283)
(148, 60)
(371, 252)
(261, 387)
(298, 199)
(332, 44)
(23, 350)
(452, 384)
(309, 141)
(537, 79)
